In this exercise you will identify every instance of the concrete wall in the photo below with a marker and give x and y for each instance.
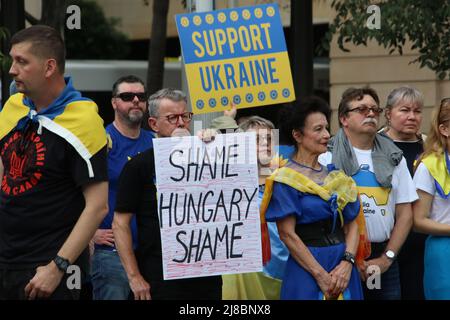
(136, 17)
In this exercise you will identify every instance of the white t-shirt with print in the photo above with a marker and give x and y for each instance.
(440, 208)
(378, 202)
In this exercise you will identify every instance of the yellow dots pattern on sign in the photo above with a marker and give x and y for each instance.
(258, 13)
(222, 17)
(185, 22)
(197, 20)
(234, 16)
(209, 19)
(246, 14)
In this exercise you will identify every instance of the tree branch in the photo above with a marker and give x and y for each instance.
(31, 19)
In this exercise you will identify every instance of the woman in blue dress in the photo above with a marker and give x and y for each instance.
(315, 209)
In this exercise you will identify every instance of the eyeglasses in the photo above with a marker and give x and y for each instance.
(366, 110)
(173, 118)
(129, 96)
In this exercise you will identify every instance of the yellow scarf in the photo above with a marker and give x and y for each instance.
(336, 183)
(438, 167)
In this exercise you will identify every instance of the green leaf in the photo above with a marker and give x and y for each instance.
(425, 23)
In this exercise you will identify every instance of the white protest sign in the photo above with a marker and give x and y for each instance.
(208, 205)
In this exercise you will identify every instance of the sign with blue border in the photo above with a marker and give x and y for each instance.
(235, 55)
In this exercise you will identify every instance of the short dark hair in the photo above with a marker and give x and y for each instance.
(293, 116)
(352, 94)
(45, 41)
(126, 79)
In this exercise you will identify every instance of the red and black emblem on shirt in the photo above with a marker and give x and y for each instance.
(23, 156)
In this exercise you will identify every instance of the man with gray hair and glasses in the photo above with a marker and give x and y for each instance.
(137, 193)
(384, 183)
(168, 113)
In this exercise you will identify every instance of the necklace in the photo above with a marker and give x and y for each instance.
(308, 167)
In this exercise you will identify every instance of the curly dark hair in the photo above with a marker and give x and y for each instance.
(293, 116)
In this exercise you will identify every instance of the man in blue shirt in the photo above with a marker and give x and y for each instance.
(125, 140)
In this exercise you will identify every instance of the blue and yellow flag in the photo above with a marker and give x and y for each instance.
(438, 165)
(70, 116)
(235, 55)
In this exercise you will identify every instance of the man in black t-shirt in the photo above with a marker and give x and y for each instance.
(53, 173)
(137, 193)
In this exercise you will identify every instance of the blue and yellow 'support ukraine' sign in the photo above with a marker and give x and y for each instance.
(236, 55)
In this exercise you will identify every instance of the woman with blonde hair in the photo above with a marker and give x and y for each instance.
(432, 210)
(404, 107)
(263, 285)
(403, 114)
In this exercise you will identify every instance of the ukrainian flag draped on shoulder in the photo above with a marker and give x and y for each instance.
(70, 116)
(338, 189)
(438, 165)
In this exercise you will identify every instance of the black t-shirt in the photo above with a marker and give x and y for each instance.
(411, 151)
(137, 193)
(41, 195)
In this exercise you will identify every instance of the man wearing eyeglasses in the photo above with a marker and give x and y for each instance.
(384, 184)
(125, 140)
(168, 113)
(137, 193)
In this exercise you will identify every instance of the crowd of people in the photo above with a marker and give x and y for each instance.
(363, 214)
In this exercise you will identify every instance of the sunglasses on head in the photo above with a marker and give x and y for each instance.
(129, 96)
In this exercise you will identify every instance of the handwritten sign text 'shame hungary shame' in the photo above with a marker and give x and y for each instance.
(207, 205)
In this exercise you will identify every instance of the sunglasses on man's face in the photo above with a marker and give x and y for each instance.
(129, 96)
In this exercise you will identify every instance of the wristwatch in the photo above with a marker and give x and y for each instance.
(390, 254)
(61, 263)
(349, 257)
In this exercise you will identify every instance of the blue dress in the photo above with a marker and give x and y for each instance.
(279, 253)
(297, 282)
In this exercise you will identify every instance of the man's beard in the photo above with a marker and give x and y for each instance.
(133, 118)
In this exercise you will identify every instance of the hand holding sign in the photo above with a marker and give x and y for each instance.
(207, 205)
